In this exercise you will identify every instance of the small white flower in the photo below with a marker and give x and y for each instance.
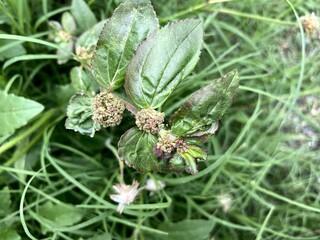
(225, 201)
(154, 185)
(126, 194)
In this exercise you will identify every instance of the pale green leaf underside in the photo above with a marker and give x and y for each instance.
(82, 81)
(15, 112)
(129, 25)
(162, 62)
(79, 113)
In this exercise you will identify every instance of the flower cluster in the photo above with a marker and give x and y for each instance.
(166, 141)
(149, 120)
(83, 54)
(107, 109)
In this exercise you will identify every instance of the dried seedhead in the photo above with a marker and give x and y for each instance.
(310, 23)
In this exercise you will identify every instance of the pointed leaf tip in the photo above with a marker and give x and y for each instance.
(205, 107)
(162, 61)
(129, 25)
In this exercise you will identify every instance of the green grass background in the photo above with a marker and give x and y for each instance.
(265, 157)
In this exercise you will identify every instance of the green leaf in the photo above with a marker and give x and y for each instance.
(83, 81)
(205, 107)
(9, 234)
(10, 49)
(162, 62)
(104, 236)
(5, 202)
(60, 215)
(83, 15)
(135, 148)
(89, 38)
(187, 229)
(67, 48)
(68, 23)
(79, 113)
(191, 163)
(177, 164)
(129, 25)
(16, 111)
(63, 94)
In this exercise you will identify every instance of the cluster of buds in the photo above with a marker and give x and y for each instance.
(64, 36)
(310, 23)
(83, 54)
(63, 31)
(107, 109)
(149, 120)
(166, 144)
(167, 141)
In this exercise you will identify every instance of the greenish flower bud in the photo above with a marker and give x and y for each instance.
(107, 109)
(166, 145)
(83, 54)
(149, 120)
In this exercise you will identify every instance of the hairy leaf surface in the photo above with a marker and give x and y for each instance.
(136, 149)
(162, 61)
(205, 106)
(129, 25)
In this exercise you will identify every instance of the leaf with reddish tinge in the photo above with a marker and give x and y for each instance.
(205, 107)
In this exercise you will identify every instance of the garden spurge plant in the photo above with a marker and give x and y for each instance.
(137, 66)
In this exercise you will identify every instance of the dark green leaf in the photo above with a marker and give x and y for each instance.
(5, 202)
(188, 229)
(79, 114)
(129, 25)
(15, 112)
(136, 149)
(82, 80)
(162, 62)
(83, 15)
(206, 106)
(60, 215)
(177, 164)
